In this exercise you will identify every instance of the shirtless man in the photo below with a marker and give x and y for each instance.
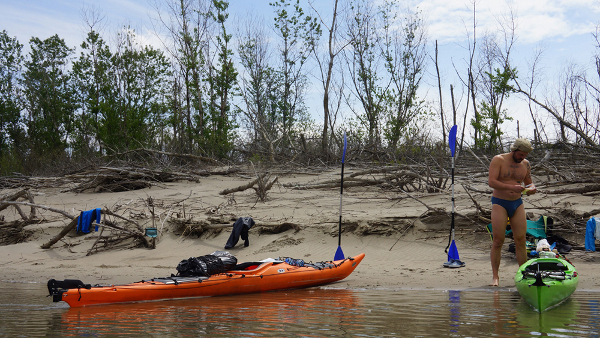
(508, 175)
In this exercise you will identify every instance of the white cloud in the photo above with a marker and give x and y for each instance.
(537, 20)
(26, 20)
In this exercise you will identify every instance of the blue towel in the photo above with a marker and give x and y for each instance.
(590, 237)
(85, 220)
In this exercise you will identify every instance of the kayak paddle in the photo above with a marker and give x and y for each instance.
(453, 252)
(339, 254)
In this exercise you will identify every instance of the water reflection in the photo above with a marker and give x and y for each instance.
(454, 298)
(594, 309)
(267, 314)
(557, 320)
(303, 313)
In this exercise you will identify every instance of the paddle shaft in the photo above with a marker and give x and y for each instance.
(452, 144)
(341, 194)
(339, 252)
(452, 222)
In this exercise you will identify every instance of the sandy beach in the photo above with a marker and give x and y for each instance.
(403, 242)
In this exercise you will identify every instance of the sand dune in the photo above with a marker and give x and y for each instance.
(402, 250)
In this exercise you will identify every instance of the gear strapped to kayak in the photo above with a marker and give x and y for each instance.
(207, 265)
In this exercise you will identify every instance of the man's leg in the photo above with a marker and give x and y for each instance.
(499, 220)
(518, 224)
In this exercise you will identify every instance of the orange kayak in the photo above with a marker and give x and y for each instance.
(267, 276)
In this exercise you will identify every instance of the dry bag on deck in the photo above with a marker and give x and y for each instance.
(207, 265)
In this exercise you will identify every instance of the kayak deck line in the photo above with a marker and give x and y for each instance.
(268, 276)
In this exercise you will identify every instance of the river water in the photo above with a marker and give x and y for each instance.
(27, 312)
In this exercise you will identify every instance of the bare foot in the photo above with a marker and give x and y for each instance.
(495, 282)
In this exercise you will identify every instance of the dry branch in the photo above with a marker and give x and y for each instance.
(64, 213)
(240, 188)
(123, 179)
(578, 190)
(14, 233)
(62, 234)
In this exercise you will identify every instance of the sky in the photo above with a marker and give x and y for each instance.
(562, 28)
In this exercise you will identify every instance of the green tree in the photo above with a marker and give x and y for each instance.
(298, 35)
(190, 25)
(131, 114)
(12, 133)
(50, 98)
(365, 61)
(91, 78)
(260, 91)
(328, 68)
(491, 114)
(404, 51)
(222, 79)
(11, 62)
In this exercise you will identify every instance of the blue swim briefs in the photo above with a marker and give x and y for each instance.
(509, 206)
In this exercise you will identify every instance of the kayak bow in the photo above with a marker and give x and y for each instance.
(546, 282)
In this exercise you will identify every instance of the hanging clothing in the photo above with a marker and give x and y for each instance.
(240, 228)
(590, 235)
(85, 220)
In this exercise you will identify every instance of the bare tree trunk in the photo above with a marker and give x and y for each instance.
(326, 117)
(564, 123)
(437, 69)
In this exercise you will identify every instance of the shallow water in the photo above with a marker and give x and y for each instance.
(27, 312)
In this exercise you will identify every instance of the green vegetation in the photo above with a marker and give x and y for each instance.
(236, 91)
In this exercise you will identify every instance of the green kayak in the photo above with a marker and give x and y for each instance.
(546, 282)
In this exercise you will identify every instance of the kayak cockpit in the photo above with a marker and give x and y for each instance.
(542, 269)
(553, 265)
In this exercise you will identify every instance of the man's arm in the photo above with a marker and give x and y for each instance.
(527, 181)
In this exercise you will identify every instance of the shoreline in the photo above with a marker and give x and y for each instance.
(404, 251)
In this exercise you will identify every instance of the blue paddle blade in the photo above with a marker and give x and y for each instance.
(344, 155)
(338, 254)
(453, 252)
(452, 139)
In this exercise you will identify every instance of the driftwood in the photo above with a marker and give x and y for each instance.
(14, 232)
(578, 190)
(123, 179)
(561, 166)
(480, 210)
(8, 230)
(64, 213)
(240, 188)
(21, 181)
(112, 240)
(12, 198)
(72, 225)
(261, 185)
(9, 200)
(189, 227)
(96, 242)
(392, 177)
